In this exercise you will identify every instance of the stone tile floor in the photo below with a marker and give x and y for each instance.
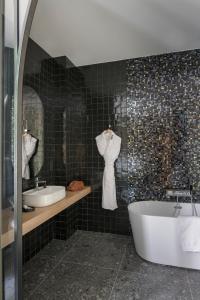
(97, 266)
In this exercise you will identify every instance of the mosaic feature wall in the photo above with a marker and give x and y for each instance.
(163, 123)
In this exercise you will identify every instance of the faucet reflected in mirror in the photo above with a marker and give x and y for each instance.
(38, 182)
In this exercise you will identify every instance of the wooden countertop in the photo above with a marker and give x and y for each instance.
(31, 220)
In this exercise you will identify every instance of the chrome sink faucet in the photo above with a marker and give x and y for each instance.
(38, 182)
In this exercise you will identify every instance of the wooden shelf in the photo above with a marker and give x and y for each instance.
(31, 220)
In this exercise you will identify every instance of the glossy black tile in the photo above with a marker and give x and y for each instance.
(152, 103)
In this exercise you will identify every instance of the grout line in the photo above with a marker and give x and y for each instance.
(188, 280)
(117, 273)
(61, 259)
(90, 265)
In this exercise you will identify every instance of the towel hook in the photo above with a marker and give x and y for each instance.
(25, 126)
(109, 122)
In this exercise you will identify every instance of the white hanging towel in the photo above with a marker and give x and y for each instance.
(189, 232)
(28, 149)
(108, 144)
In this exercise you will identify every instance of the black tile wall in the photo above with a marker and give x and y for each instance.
(152, 104)
(35, 240)
(93, 217)
(70, 123)
(60, 227)
(106, 99)
(38, 75)
(66, 222)
(57, 82)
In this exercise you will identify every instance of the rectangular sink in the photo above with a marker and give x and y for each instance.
(42, 197)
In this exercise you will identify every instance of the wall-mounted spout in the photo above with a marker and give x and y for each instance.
(177, 193)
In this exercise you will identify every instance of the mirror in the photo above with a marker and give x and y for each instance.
(33, 119)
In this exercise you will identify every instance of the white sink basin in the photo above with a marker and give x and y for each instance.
(44, 196)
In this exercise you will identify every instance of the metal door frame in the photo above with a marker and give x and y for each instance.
(19, 60)
(1, 131)
(21, 55)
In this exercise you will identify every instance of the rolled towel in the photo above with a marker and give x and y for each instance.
(76, 185)
(189, 231)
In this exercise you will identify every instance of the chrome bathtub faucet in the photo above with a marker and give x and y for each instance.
(177, 207)
(38, 182)
(177, 193)
(181, 193)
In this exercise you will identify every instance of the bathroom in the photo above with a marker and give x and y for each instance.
(72, 71)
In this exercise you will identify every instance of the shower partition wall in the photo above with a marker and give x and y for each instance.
(16, 18)
(1, 94)
(9, 49)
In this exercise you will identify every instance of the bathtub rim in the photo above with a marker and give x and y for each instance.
(135, 212)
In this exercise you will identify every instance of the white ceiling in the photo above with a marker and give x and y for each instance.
(9, 24)
(94, 31)
(9, 29)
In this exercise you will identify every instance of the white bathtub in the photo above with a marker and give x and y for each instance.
(155, 233)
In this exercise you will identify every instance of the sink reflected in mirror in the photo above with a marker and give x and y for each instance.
(41, 197)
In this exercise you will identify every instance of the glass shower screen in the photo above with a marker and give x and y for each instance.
(15, 14)
(10, 230)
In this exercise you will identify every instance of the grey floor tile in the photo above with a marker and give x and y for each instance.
(194, 281)
(75, 282)
(36, 270)
(133, 262)
(93, 234)
(165, 284)
(158, 281)
(85, 267)
(54, 248)
(76, 235)
(98, 249)
(59, 248)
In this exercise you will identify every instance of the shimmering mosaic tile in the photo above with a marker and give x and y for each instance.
(163, 117)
